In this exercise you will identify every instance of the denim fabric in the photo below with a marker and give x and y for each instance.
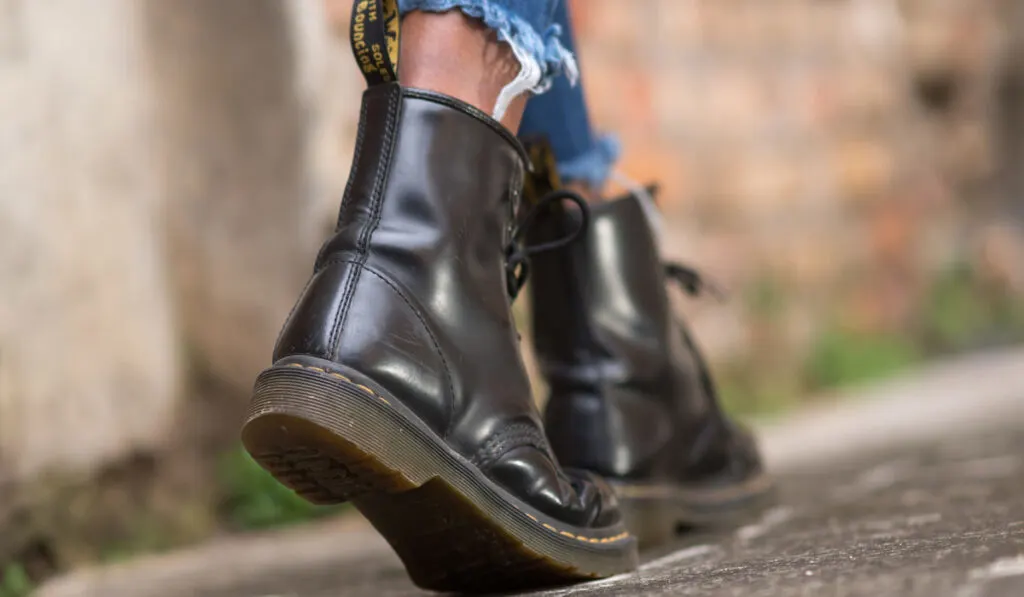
(558, 111)
(561, 115)
(527, 25)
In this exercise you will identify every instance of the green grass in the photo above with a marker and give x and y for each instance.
(953, 311)
(964, 311)
(745, 395)
(15, 582)
(839, 358)
(843, 357)
(253, 499)
(960, 311)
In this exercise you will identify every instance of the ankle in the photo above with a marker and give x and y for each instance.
(456, 55)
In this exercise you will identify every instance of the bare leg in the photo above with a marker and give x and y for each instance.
(453, 54)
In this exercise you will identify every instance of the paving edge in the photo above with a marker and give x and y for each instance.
(943, 400)
(256, 558)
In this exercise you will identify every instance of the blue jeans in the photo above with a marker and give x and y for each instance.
(558, 111)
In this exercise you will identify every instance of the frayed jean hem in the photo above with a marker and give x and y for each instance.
(541, 55)
(593, 166)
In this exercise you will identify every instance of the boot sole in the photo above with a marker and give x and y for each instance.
(657, 513)
(332, 440)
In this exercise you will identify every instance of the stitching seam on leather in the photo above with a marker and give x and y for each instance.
(360, 136)
(510, 437)
(288, 320)
(383, 167)
(335, 375)
(476, 113)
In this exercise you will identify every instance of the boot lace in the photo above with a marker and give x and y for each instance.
(517, 254)
(688, 278)
(692, 281)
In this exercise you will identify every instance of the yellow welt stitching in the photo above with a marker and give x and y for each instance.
(577, 537)
(343, 378)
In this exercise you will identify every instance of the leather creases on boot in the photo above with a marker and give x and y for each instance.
(405, 330)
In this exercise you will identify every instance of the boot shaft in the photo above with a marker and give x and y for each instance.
(411, 289)
(628, 387)
(397, 380)
(430, 175)
(600, 307)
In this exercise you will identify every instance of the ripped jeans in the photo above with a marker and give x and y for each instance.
(541, 36)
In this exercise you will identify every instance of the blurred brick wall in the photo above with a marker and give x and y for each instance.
(828, 153)
(821, 158)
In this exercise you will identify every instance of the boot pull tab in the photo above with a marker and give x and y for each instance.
(373, 32)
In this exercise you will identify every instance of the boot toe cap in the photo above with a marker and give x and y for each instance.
(579, 498)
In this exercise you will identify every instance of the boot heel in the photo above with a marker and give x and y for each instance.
(322, 435)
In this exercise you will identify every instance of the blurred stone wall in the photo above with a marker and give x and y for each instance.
(162, 192)
(89, 358)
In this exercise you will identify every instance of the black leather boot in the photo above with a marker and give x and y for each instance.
(397, 380)
(630, 395)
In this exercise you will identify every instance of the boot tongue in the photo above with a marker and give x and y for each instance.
(373, 33)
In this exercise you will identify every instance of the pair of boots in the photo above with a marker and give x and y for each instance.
(397, 382)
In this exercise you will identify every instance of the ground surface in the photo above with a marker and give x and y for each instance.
(942, 515)
(945, 519)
